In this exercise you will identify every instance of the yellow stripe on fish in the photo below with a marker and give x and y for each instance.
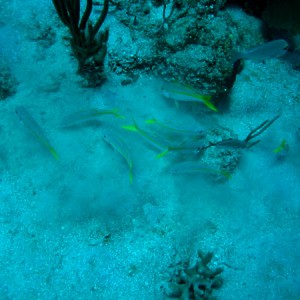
(35, 129)
(183, 92)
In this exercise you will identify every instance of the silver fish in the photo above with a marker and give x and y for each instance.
(35, 129)
(89, 113)
(268, 50)
(121, 147)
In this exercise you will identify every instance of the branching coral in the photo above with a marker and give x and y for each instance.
(197, 282)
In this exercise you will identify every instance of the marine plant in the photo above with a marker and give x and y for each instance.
(87, 45)
(247, 142)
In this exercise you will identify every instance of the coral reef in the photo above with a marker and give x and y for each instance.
(197, 282)
(189, 41)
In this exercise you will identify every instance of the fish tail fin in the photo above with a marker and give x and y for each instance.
(134, 127)
(207, 102)
(162, 154)
(115, 112)
(130, 127)
(226, 174)
(53, 152)
(130, 176)
(278, 149)
(151, 121)
(281, 147)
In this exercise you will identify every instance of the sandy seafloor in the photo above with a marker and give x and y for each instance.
(76, 228)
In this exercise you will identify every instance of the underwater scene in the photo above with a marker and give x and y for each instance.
(150, 149)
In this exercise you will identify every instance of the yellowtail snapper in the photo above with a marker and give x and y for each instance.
(86, 114)
(185, 93)
(35, 129)
(121, 147)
